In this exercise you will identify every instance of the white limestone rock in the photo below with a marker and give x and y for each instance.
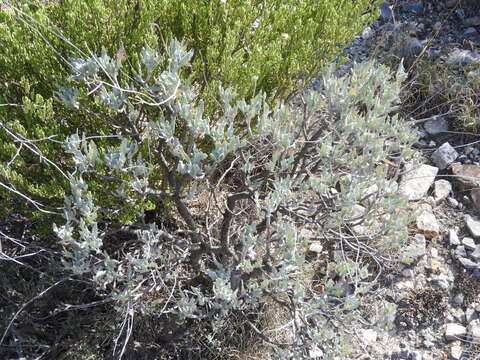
(416, 181)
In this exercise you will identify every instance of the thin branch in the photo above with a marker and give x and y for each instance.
(24, 306)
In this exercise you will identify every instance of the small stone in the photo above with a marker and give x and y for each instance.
(315, 352)
(458, 299)
(417, 9)
(460, 251)
(406, 284)
(475, 195)
(411, 47)
(437, 27)
(415, 250)
(416, 182)
(460, 13)
(462, 57)
(444, 156)
(451, 3)
(421, 144)
(470, 32)
(315, 248)
(408, 273)
(386, 13)
(469, 243)
(459, 315)
(472, 21)
(434, 252)
(441, 189)
(476, 273)
(434, 265)
(462, 158)
(367, 33)
(428, 225)
(454, 331)
(473, 225)
(467, 263)
(475, 255)
(453, 237)
(465, 175)
(369, 336)
(470, 314)
(431, 201)
(452, 202)
(436, 126)
(474, 330)
(456, 352)
(443, 281)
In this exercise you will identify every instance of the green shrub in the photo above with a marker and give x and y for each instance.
(241, 216)
(278, 43)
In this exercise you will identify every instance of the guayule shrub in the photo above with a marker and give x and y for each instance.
(245, 213)
(276, 42)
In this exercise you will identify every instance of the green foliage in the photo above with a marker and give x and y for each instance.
(244, 213)
(277, 43)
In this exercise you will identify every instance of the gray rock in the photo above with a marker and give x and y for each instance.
(470, 314)
(416, 182)
(421, 144)
(455, 331)
(315, 352)
(406, 284)
(452, 202)
(436, 126)
(408, 273)
(470, 32)
(475, 255)
(474, 330)
(451, 3)
(459, 315)
(386, 13)
(460, 251)
(443, 281)
(473, 225)
(441, 189)
(315, 247)
(415, 250)
(415, 355)
(456, 352)
(463, 57)
(467, 263)
(469, 243)
(369, 336)
(460, 13)
(475, 195)
(476, 273)
(472, 21)
(417, 9)
(453, 237)
(367, 33)
(427, 223)
(458, 299)
(444, 156)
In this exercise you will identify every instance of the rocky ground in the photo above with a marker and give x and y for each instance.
(435, 298)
